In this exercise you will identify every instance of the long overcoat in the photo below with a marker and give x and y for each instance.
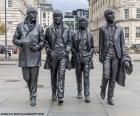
(27, 57)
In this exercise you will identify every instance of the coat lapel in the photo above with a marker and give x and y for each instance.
(26, 27)
(116, 33)
(53, 34)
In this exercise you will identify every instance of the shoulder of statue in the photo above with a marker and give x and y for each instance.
(118, 26)
(104, 26)
(20, 25)
(65, 26)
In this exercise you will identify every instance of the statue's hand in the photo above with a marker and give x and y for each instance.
(126, 64)
(24, 42)
(67, 52)
(91, 53)
(34, 48)
(52, 53)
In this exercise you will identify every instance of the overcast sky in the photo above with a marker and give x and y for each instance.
(68, 5)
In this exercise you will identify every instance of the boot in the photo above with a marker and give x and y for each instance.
(33, 101)
(60, 101)
(110, 101)
(87, 99)
(79, 95)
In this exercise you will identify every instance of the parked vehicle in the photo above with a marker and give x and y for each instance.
(2, 49)
(13, 48)
(136, 48)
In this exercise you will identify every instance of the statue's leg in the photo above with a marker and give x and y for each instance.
(34, 79)
(105, 76)
(61, 78)
(78, 72)
(114, 70)
(26, 76)
(86, 72)
(53, 72)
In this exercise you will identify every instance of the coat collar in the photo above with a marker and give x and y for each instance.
(107, 26)
(26, 26)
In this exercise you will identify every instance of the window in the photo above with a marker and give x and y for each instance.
(126, 11)
(126, 32)
(44, 15)
(9, 3)
(137, 31)
(138, 13)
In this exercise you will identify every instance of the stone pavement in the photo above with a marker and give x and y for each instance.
(135, 57)
(14, 97)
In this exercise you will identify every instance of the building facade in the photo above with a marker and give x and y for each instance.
(15, 13)
(71, 17)
(127, 15)
(45, 11)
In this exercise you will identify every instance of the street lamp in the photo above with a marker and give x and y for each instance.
(5, 33)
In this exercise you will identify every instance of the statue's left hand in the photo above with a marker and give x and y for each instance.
(91, 53)
(126, 64)
(34, 48)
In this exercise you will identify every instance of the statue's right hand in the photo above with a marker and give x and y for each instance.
(52, 54)
(24, 42)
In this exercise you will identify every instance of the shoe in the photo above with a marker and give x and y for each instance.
(110, 101)
(102, 94)
(87, 99)
(54, 98)
(33, 101)
(79, 96)
(60, 101)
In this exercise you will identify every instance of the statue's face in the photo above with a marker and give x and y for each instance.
(32, 15)
(83, 24)
(58, 18)
(110, 16)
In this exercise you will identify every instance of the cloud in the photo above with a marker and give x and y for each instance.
(69, 5)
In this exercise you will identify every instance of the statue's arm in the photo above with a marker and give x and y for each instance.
(46, 41)
(17, 38)
(100, 43)
(41, 42)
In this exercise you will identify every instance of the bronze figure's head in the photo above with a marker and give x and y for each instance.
(83, 22)
(109, 15)
(57, 17)
(32, 13)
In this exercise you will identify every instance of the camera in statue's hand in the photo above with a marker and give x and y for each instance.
(34, 46)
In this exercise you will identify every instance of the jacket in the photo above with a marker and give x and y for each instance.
(119, 41)
(123, 70)
(74, 42)
(50, 38)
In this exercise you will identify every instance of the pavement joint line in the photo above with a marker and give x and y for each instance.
(129, 89)
(49, 111)
(102, 104)
(11, 96)
(4, 101)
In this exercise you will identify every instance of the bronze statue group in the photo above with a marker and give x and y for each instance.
(59, 41)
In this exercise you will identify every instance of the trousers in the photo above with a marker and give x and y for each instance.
(57, 71)
(30, 75)
(83, 66)
(110, 70)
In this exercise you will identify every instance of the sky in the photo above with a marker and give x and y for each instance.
(69, 5)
